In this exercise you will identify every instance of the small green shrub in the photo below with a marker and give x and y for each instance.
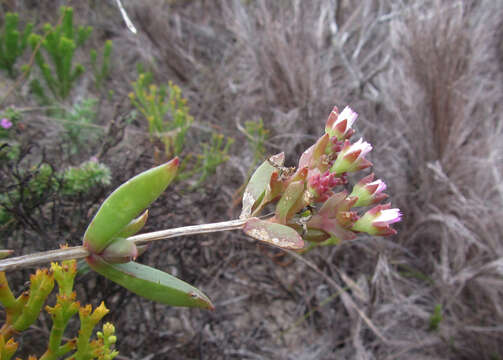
(12, 42)
(37, 183)
(214, 153)
(168, 117)
(436, 318)
(82, 179)
(79, 125)
(101, 72)
(256, 135)
(166, 111)
(60, 44)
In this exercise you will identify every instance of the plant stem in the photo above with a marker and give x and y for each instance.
(79, 252)
(188, 230)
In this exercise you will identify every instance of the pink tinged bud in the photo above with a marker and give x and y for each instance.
(318, 160)
(332, 118)
(305, 158)
(314, 157)
(369, 192)
(339, 125)
(335, 218)
(6, 123)
(377, 220)
(336, 145)
(351, 158)
(320, 185)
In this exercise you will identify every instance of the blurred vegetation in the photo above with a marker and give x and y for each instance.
(12, 42)
(101, 72)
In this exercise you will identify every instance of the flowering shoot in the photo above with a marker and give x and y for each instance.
(318, 184)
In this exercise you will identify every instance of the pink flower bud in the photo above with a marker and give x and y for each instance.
(335, 217)
(351, 158)
(369, 192)
(315, 156)
(377, 220)
(320, 185)
(339, 125)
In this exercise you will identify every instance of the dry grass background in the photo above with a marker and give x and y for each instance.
(426, 79)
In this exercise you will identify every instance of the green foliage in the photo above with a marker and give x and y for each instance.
(166, 111)
(45, 180)
(82, 179)
(79, 125)
(257, 136)
(214, 154)
(23, 311)
(101, 72)
(60, 43)
(126, 203)
(111, 254)
(151, 283)
(71, 181)
(12, 42)
(169, 120)
(436, 318)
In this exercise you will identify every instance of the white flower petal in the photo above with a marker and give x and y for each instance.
(349, 115)
(389, 216)
(361, 145)
(381, 185)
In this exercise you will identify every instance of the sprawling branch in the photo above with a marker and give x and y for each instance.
(79, 252)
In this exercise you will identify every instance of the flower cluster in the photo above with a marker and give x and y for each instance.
(319, 184)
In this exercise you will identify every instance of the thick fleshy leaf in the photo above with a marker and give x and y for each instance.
(316, 235)
(274, 234)
(151, 283)
(319, 153)
(306, 157)
(126, 203)
(134, 226)
(289, 198)
(258, 183)
(330, 226)
(120, 251)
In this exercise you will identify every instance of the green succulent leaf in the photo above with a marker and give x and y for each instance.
(126, 203)
(289, 198)
(121, 251)
(134, 226)
(274, 234)
(258, 183)
(151, 283)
